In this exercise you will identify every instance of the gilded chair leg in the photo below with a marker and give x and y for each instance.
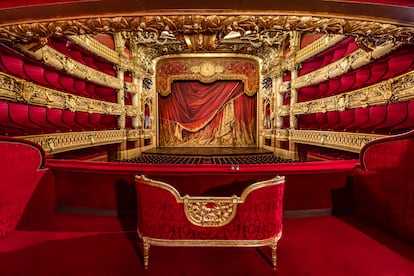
(146, 253)
(273, 246)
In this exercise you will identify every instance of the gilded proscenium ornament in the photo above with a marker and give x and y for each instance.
(19, 90)
(347, 141)
(60, 142)
(397, 89)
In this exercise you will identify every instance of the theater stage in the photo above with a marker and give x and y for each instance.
(207, 151)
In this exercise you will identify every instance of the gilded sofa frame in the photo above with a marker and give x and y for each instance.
(199, 217)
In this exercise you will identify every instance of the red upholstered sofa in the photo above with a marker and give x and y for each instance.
(384, 185)
(165, 218)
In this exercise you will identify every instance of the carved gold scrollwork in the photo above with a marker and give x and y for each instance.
(210, 212)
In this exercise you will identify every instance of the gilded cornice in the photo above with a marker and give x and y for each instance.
(18, 90)
(355, 60)
(59, 61)
(198, 23)
(347, 141)
(60, 142)
(396, 89)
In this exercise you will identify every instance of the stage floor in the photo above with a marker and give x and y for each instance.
(206, 151)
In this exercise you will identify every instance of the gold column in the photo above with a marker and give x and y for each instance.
(294, 41)
(136, 100)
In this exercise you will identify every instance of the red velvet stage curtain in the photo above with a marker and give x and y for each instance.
(216, 114)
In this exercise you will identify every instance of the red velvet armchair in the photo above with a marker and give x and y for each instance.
(253, 219)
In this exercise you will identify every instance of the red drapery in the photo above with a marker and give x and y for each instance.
(217, 114)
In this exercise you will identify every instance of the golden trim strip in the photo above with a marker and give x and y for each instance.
(22, 91)
(60, 142)
(212, 243)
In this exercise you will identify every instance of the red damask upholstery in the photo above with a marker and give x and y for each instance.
(166, 218)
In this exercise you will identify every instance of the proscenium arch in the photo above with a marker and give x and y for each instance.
(195, 72)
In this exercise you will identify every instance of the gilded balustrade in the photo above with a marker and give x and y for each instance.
(18, 90)
(347, 141)
(60, 142)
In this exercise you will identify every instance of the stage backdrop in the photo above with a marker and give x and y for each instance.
(211, 115)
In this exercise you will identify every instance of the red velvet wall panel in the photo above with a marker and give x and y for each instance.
(21, 164)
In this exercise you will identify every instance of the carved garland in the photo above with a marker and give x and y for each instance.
(190, 24)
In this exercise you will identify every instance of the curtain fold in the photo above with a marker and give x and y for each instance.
(198, 114)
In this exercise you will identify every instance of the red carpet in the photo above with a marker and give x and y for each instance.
(93, 245)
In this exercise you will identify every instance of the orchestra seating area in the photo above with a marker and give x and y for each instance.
(235, 159)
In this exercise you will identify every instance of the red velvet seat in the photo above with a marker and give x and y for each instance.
(347, 82)
(90, 62)
(332, 120)
(165, 218)
(38, 116)
(322, 88)
(346, 117)
(352, 46)
(306, 121)
(377, 116)
(378, 71)
(36, 73)
(76, 55)
(408, 123)
(106, 68)
(106, 93)
(362, 76)
(360, 117)
(67, 84)
(69, 118)
(52, 78)
(327, 59)
(8, 126)
(54, 117)
(80, 87)
(320, 119)
(307, 93)
(82, 118)
(109, 121)
(60, 44)
(339, 53)
(13, 65)
(333, 86)
(19, 114)
(311, 65)
(399, 64)
(396, 114)
(95, 120)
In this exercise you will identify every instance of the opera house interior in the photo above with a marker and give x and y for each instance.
(206, 138)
